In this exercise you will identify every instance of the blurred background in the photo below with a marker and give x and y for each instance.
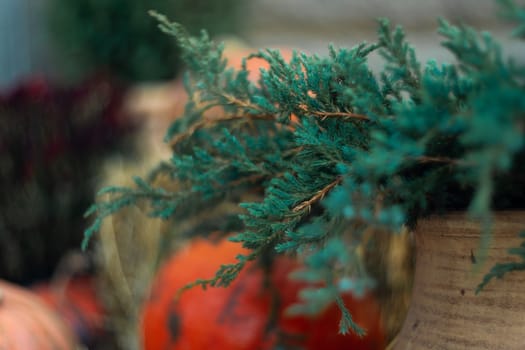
(87, 88)
(59, 38)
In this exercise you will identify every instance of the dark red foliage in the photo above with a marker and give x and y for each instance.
(43, 123)
(53, 140)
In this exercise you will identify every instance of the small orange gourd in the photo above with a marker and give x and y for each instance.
(76, 301)
(26, 323)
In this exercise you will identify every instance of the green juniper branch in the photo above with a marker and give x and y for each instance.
(361, 152)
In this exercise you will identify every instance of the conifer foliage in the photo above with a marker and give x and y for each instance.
(335, 149)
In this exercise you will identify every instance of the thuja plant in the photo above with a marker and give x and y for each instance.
(337, 150)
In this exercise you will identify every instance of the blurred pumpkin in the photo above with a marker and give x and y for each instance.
(76, 301)
(235, 51)
(249, 314)
(26, 323)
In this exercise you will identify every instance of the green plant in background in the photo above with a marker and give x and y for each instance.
(118, 37)
(370, 151)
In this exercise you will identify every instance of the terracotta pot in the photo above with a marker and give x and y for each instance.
(445, 312)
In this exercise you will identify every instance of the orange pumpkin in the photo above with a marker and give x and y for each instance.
(237, 317)
(26, 323)
(235, 56)
(76, 301)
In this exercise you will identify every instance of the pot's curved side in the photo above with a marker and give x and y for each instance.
(444, 312)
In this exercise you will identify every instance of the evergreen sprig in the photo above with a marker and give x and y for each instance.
(500, 269)
(336, 150)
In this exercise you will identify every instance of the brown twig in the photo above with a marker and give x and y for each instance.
(317, 196)
(292, 151)
(245, 104)
(207, 122)
(325, 115)
(428, 159)
(249, 179)
(232, 100)
(184, 135)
